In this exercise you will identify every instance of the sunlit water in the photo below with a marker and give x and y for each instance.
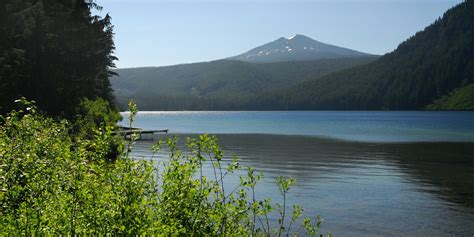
(365, 173)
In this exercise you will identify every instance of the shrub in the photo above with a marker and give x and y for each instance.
(94, 114)
(53, 183)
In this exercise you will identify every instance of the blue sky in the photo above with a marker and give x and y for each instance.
(164, 32)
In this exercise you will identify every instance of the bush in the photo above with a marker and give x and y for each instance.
(54, 184)
(94, 114)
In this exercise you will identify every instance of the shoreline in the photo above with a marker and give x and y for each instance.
(319, 137)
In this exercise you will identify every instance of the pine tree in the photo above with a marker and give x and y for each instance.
(54, 52)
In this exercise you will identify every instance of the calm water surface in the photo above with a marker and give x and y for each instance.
(356, 126)
(365, 173)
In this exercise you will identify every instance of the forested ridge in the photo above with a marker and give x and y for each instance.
(220, 84)
(425, 67)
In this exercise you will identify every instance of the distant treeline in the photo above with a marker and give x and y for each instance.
(424, 68)
(222, 84)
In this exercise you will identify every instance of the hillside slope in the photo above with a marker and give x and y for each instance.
(460, 99)
(227, 81)
(425, 67)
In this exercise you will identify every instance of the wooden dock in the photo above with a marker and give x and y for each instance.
(127, 131)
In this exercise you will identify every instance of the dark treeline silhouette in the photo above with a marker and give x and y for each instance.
(54, 52)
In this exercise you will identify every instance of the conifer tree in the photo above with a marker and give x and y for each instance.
(55, 52)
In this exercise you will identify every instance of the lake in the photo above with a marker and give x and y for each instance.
(365, 173)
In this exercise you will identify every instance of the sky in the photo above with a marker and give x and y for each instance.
(166, 32)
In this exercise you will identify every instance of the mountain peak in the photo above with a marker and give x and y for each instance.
(298, 36)
(296, 48)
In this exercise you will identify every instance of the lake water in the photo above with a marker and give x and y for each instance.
(354, 126)
(365, 173)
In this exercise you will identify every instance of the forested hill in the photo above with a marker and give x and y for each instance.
(425, 67)
(222, 84)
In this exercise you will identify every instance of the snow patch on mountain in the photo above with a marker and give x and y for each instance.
(295, 48)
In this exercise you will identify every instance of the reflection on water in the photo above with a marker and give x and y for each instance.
(364, 189)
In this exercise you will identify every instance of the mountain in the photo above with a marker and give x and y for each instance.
(427, 66)
(218, 84)
(296, 48)
(424, 70)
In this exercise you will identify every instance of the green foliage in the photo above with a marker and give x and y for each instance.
(96, 118)
(459, 99)
(55, 52)
(52, 183)
(94, 114)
